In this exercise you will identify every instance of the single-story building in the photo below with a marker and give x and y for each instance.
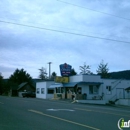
(43, 90)
(87, 88)
(25, 87)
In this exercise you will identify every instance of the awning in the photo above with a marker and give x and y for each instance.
(71, 84)
(56, 85)
(90, 83)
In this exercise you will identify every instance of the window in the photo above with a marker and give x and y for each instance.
(38, 90)
(58, 90)
(50, 91)
(42, 90)
(79, 90)
(93, 89)
(108, 89)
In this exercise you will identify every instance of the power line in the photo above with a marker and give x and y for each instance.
(93, 10)
(60, 31)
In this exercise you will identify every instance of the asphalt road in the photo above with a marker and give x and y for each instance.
(39, 114)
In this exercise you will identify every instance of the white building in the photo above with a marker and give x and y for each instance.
(43, 90)
(88, 89)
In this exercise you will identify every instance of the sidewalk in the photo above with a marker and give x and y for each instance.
(77, 101)
(119, 106)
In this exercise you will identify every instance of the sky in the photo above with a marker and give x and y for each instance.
(33, 33)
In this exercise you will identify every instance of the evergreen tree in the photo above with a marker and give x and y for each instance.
(73, 72)
(103, 70)
(20, 76)
(85, 69)
(53, 75)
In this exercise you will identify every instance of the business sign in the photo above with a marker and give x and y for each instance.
(62, 79)
(65, 69)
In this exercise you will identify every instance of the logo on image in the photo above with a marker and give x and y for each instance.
(122, 124)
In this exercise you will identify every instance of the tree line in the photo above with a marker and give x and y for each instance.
(20, 75)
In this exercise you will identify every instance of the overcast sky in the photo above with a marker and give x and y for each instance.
(44, 39)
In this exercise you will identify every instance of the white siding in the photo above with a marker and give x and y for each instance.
(76, 78)
(117, 88)
(45, 86)
(92, 78)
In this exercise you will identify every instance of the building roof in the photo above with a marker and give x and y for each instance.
(21, 85)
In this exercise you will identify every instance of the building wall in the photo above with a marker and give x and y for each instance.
(125, 102)
(86, 78)
(76, 78)
(117, 88)
(92, 78)
(85, 90)
(43, 86)
(50, 96)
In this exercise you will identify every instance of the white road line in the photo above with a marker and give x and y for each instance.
(59, 109)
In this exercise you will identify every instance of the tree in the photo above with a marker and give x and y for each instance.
(53, 75)
(85, 69)
(73, 72)
(1, 84)
(20, 76)
(103, 70)
(43, 73)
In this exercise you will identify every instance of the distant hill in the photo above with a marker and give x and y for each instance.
(120, 74)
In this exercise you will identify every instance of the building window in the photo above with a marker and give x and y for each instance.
(38, 90)
(42, 90)
(58, 90)
(79, 90)
(93, 89)
(108, 89)
(50, 91)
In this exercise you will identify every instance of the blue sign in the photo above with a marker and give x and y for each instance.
(65, 69)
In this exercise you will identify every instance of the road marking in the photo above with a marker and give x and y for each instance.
(41, 113)
(83, 109)
(1, 103)
(103, 112)
(59, 110)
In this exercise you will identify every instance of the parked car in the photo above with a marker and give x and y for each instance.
(29, 94)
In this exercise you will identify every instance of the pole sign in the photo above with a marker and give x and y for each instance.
(65, 69)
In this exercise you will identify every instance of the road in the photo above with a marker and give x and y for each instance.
(40, 114)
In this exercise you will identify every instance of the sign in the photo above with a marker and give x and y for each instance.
(61, 79)
(65, 69)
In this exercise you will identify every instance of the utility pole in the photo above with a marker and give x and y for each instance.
(49, 69)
